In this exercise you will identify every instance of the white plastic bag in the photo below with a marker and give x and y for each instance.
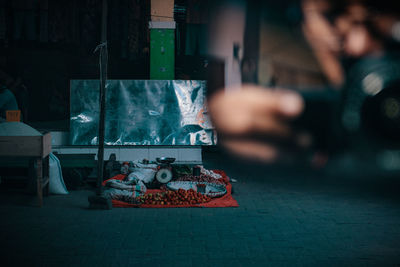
(56, 182)
(144, 174)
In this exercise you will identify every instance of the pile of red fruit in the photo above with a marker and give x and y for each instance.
(180, 197)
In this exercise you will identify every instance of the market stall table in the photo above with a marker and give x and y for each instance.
(18, 140)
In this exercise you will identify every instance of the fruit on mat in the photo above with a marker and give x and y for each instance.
(180, 197)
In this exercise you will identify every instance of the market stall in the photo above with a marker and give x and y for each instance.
(20, 141)
(162, 184)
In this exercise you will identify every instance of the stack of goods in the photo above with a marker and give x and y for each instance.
(199, 189)
(131, 182)
(129, 187)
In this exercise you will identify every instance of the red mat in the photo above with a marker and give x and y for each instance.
(225, 201)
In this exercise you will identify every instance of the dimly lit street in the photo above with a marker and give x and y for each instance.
(199, 133)
(283, 220)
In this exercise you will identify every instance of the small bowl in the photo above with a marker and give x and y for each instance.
(165, 160)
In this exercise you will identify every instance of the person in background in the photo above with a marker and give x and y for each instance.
(254, 121)
(7, 100)
(20, 91)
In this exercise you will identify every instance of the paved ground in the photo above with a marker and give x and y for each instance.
(283, 220)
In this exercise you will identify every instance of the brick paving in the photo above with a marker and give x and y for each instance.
(288, 220)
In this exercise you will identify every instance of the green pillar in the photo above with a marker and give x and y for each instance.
(162, 50)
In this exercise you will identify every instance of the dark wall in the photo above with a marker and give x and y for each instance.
(47, 43)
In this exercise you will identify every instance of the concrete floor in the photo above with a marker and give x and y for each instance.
(303, 219)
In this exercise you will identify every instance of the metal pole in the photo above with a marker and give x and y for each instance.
(103, 80)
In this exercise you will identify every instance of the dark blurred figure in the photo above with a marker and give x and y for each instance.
(19, 89)
(7, 100)
(255, 122)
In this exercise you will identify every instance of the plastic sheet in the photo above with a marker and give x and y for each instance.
(141, 112)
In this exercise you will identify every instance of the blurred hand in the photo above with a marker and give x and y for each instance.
(323, 39)
(253, 122)
(320, 34)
